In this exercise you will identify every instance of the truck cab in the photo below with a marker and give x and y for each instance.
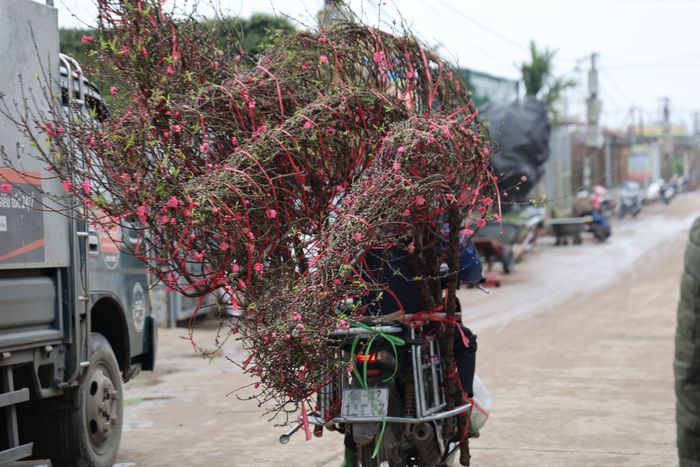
(75, 318)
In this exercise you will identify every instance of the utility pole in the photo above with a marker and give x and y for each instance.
(332, 12)
(594, 134)
(666, 140)
(691, 161)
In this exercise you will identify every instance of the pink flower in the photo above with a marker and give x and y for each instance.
(410, 75)
(323, 59)
(378, 56)
(357, 236)
(307, 125)
(469, 232)
(486, 151)
(176, 128)
(420, 200)
(401, 150)
(223, 246)
(113, 90)
(173, 202)
(497, 217)
(251, 105)
(237, 58)
(523, 178)
(68, 185)
(258, 267)
(235, 267)
(234, 141)
(85, 185)
(481, 222)
(343, 324)
(487, 201)
(296, 316)
(270, 213)
(300, 326)
(5, 187)
(482, 210)
(87, 39)
(274, 334)
(199, 256)
(59, 130)
(204, 147)
(396, 166)
(141, 211)
(170, 70)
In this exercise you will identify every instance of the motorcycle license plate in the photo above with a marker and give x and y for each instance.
(359, 403)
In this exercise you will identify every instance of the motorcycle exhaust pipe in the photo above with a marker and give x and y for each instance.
(284, 439)
(426, 444)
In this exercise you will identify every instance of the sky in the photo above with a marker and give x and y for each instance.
(648, 49)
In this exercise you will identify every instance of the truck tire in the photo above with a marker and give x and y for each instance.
(89, 435)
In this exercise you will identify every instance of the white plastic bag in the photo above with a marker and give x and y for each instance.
(482, 403)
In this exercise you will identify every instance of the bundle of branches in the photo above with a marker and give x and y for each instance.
(273, 181)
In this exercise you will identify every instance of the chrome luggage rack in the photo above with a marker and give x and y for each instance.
(429, 398)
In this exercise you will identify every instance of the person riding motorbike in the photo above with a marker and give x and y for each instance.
(391, 268)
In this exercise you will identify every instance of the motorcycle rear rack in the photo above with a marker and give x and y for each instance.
(428, 378)
(315, 420)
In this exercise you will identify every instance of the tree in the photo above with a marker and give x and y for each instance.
(247, 37)
(539, 82)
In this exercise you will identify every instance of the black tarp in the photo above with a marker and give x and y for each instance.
(520, 133)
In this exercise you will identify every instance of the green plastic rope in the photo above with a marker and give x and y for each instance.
(395, 342)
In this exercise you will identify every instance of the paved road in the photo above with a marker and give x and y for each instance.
(576, 347)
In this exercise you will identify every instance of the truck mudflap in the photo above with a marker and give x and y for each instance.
(150, 336)
(9, 398)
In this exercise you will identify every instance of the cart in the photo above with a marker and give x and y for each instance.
(496, 242)
(568, 227)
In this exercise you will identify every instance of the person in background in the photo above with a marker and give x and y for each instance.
(687, 356)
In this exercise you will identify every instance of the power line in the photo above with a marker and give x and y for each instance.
(616, 87)
(482, 26)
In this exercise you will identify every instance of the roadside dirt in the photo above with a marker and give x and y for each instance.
(576, 348)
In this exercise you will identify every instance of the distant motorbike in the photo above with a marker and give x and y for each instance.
(631, 197)
(660, 191)
(668, 192)
(600, 225)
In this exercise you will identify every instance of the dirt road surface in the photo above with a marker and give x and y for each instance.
(576, 348)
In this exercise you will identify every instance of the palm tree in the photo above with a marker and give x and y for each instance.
(539, 82)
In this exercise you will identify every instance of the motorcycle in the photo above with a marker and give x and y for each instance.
(391, 400)
(630, 200)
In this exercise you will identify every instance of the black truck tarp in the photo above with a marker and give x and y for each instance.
(520, 133)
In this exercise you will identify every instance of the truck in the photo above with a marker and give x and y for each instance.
(75, 319)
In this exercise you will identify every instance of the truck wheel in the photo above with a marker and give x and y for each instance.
(94, 428)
